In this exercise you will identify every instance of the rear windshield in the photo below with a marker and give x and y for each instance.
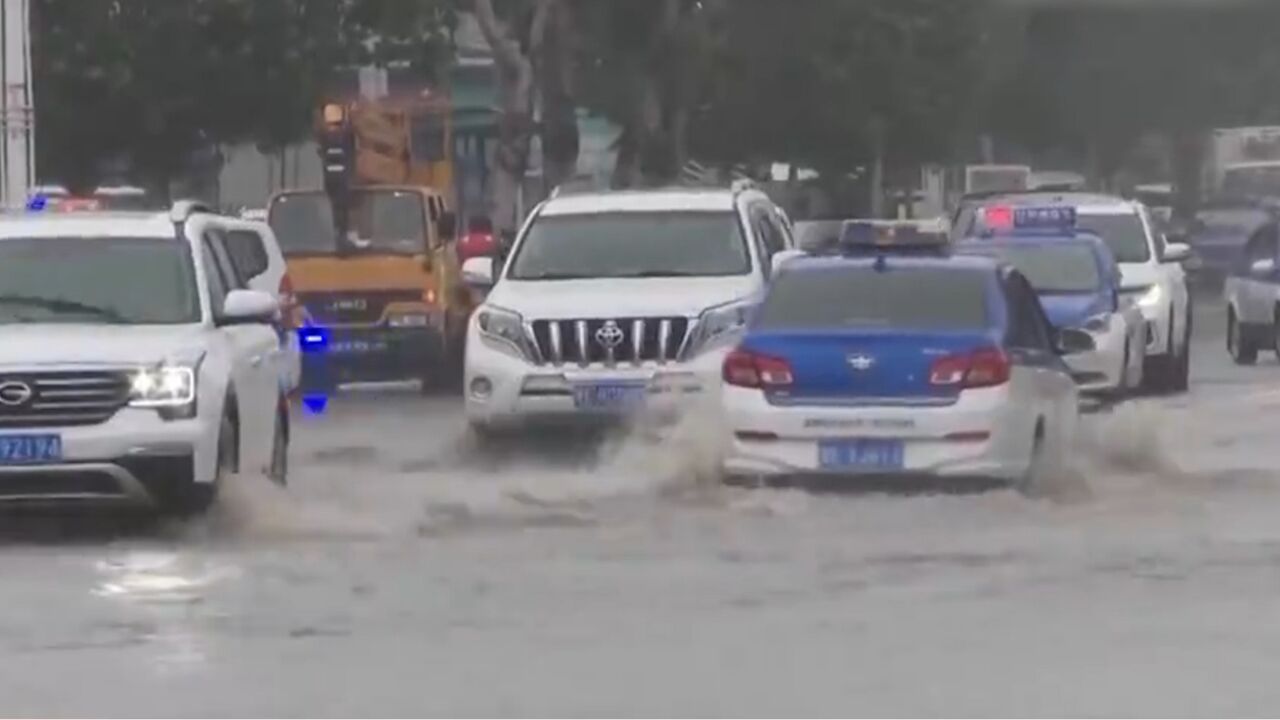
(1124, 234)
(1065, 268)
(924, 298)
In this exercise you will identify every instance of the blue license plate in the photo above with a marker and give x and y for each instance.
(357, 347)
(610, 396)
(860, 454)
(30, 449)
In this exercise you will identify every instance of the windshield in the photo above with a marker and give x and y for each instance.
(1051, 269)
(385, 221)
(921, 298)
(1261, 181)
(1123, 233)
(133, 281)
(629, 245)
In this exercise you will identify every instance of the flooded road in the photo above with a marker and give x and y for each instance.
(402, 575)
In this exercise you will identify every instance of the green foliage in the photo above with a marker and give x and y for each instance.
(154, 81)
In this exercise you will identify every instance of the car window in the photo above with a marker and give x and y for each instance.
(231, 275)
(215, 277)
(1261, 246)
(1124, 233)
(768, 236)
(913, 298)
(247, 253)
(1026, 321)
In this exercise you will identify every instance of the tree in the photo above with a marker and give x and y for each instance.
(147, 83)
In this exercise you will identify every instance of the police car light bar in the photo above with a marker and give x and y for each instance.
(866, 234)
(1056, 217)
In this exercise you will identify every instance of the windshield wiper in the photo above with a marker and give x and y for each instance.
(555, 276)
(56, 305)
(660, 274)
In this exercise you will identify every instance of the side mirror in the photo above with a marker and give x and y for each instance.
(1177, 252)
(248, 307)
(479, 272)
(447, 225)
(1264, 268)
(1071, 341)
(784, 256)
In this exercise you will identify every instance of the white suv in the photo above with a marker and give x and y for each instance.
(615, 302)
(1151, 270)
(137, 365)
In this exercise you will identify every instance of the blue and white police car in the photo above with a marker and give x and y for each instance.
(1078, 281)
(896, 358)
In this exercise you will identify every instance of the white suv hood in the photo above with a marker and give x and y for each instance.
(49, 344)
(619, 297)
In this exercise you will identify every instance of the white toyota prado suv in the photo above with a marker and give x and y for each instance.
(612, 303)
(137, 363)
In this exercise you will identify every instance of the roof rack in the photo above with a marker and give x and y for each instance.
(182, 210)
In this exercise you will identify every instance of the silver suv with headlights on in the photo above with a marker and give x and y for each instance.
(609, 304)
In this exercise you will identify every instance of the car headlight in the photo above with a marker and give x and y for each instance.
(163, 386)
(719, 324)
(1152, 297)
(505, 329)
(1097, 323)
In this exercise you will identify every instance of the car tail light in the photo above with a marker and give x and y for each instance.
(985, 367)
(289, 308)
(743, 368)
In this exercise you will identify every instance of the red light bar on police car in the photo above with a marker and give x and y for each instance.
(1052, 217)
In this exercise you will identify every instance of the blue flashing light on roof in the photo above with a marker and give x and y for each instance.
(37, 203)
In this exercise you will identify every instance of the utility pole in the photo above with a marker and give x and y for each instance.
(17, 108)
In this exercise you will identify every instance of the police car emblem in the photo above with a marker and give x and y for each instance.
(861, 362)
(609, 335)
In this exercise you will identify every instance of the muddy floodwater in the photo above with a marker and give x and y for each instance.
(402, 574)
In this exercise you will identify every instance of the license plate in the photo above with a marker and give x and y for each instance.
(860, 454)
(30, 449)
(610, 396)
(357, 347)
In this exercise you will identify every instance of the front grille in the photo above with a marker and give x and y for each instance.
(36, 484)
(610, 341)
(63, 398)
(353, 308)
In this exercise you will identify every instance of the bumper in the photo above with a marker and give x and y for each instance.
(135, 458)
(373, 355)
(1102, 369)
(978, 436)
(506, 392)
